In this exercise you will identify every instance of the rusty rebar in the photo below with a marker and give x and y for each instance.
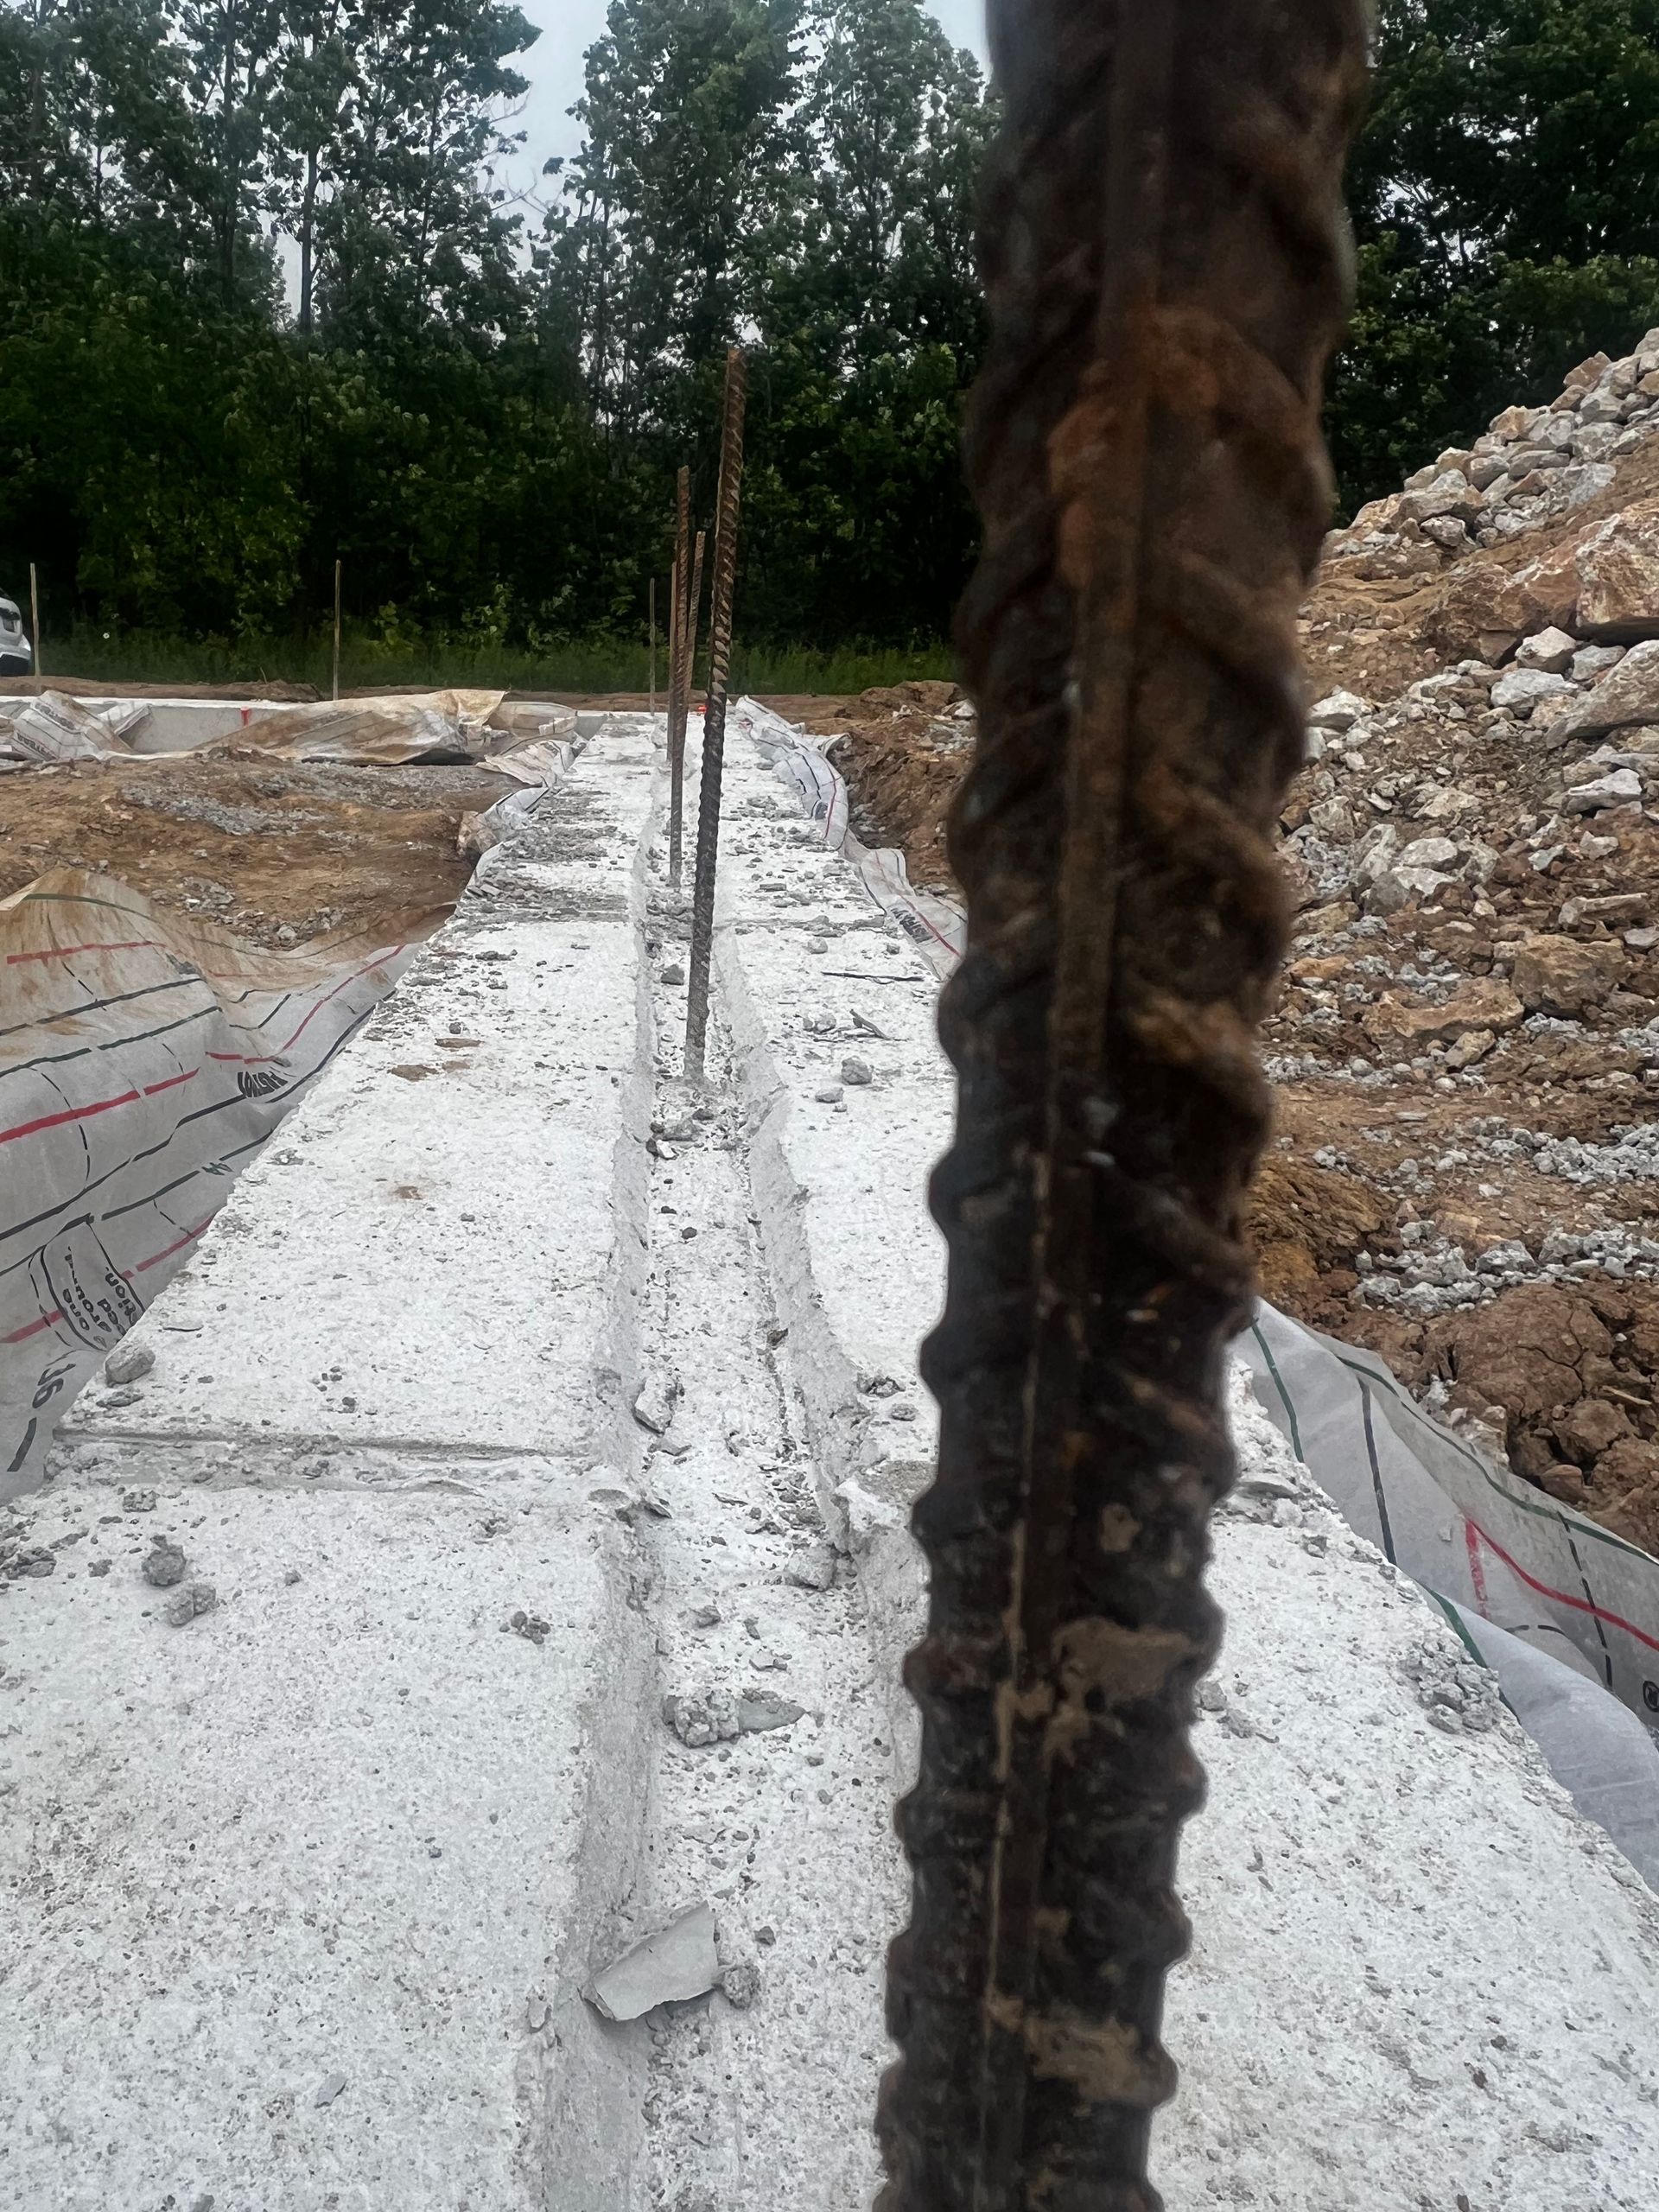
(1164, 257)
(687, 651)
(677, 682)
(714, 718)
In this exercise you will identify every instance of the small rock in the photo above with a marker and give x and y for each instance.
(653, 1407)
(856, 1072)
(165, 1565)
(1618, 788)
(673, 973)
(1337, 711)
(137, 1500)
(536, 2013)
(678, 1963)
(1551, 649)
(758, 1710)
(34, 1564)
(127, 1363)
(329, 2089)
(195, 1598)
(100, 1566)
(740, 1984)
(1523, 687)
(813, 1567)
(829, 1096)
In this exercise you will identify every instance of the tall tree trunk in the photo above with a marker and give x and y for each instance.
(308, 240)
(1165, 271)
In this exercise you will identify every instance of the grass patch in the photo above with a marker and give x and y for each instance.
(600, 664)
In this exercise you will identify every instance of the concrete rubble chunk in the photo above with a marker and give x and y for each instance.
(185, 1604)
(165, 1564)
(760, 1710)
(813, 1567)
(678, 1963)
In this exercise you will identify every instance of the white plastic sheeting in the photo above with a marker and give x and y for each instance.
(935, 925)
(1565, 1613)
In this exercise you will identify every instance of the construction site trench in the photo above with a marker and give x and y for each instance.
(449, 1648)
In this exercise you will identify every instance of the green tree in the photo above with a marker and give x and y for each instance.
(1505, 194)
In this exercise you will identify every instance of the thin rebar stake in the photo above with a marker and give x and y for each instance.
(1164, 263)
(673, 652)
(714, 720)
(334, 685)
(34, 619)
(652, 594)
(689, 674)
(677, 686)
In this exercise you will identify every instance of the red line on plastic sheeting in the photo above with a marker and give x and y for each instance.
(166, 1252)
(69, 1114)
(261, 1059)
(33, 1329)
(63, 951)
(1562, 1597)
(1476, 1564)
(98, 1106)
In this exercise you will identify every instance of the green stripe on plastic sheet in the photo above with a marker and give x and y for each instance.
(1569, 1524)
(1279, 1385)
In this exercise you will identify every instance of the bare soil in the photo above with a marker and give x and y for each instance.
(277, 852)
(1563, 1375)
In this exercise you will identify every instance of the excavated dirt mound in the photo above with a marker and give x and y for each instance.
(278, 853)
(1376, 621)
(1464, 1175)
(902, 748)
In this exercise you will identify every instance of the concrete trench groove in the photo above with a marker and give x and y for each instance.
(787, 1831)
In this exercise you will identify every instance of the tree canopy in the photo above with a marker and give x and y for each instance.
(280, 281)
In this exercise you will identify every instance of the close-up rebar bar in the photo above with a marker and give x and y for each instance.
(1166, 268)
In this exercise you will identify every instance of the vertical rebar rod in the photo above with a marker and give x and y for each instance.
(35, 618)
(676, 680)
(335, 691)
(1165, 263)
(714, 720)
(688, 677)
(652, 594)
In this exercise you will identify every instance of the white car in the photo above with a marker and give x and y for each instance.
(17, 654)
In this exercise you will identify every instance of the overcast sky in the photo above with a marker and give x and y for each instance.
(570, 27)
